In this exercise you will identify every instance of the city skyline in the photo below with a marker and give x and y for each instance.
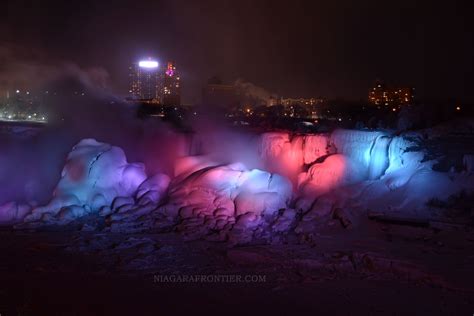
(303, 49)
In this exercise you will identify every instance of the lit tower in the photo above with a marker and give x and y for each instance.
(171, 94)
(145, 80)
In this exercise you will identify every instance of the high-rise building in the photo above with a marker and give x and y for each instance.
(145, 80)
(384, 95)
(171, 88)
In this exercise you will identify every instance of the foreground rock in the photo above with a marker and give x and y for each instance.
(307, 181)
(219, 202)
(94, 175)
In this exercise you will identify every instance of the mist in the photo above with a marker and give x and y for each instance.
(31, 166)
(81, 107)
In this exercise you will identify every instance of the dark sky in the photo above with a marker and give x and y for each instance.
(292, 48)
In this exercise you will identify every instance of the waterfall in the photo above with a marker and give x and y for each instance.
(379, 161)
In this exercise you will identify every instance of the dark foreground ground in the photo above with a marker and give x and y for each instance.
(374, 269)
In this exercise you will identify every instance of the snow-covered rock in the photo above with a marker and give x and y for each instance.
(13, 212)
(368, 150)
(286, 154)
(314, 147)
(94, 175)
(334, 172)
(227, 201)
(153, 189)
(303, 179)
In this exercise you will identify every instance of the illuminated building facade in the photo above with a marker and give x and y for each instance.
(383, 95)
(301, 101)
(145, 80)
(171, 91)
(301, 107)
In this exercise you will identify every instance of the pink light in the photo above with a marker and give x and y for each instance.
(169, 69)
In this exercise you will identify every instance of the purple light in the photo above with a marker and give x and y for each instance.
(170, 69)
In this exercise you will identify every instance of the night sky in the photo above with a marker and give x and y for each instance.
(291, 48)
